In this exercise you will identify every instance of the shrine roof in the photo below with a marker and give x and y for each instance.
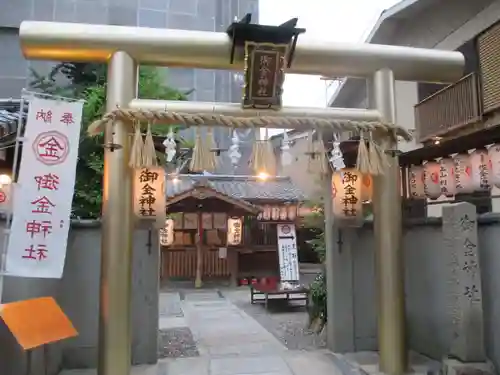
(9, 117)
(241, 187)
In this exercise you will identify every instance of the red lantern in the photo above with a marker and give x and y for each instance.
(447, 177)
(463, 174)
(494, 154)
(416, 182)
(432, 186)
(479, 161)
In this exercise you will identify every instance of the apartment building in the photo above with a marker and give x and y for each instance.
(203, 15)
(446, 119)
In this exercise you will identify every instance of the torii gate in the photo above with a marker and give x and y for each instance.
(124, 47)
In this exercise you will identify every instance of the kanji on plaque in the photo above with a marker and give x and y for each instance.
(149, 194)
(44, 193)
(347, 202)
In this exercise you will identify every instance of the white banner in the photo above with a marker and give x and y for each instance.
(287, 252)
(44, 192)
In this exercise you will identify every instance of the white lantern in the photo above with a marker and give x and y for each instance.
(479, 162)
(416, 182)
(275, 212)
(347, 202)
(432, 187)
(266, 214)
(149, 194)
(494, 154)
(447, 177)
(234, 231)
(463, 174)
(167, 233)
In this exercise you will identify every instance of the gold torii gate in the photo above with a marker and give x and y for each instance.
(124, 47)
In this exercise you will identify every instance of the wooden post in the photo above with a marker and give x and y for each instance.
(199, 253)
(232, 259)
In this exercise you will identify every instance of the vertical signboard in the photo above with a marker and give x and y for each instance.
(43, 197)
(287, 252)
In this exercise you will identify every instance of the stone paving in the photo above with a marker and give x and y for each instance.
(227, 342)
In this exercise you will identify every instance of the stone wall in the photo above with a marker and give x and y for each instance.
(78, 295)
(429, 317)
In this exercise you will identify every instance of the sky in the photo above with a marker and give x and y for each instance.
(331, 20)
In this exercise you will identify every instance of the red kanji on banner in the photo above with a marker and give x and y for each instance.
(51, 148)
(39, 227)
(47, 181)
(44, 116)
(43, 206)
(67, 118)
(37, 253)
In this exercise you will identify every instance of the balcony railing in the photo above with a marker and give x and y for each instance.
(449, 109)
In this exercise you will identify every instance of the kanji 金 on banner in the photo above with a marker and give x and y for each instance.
(43, 197)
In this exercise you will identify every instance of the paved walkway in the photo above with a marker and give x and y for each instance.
(226, 341)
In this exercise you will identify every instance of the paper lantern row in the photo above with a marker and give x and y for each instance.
(234, 232)
(464, 173)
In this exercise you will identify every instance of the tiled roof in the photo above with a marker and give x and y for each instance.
(9, 115)
(247, 188)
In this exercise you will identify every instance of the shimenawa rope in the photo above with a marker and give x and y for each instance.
(210, 119)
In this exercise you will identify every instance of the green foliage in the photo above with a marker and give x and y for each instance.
(87, 81)
(318, 298)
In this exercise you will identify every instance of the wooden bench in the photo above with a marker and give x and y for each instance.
(274, 289)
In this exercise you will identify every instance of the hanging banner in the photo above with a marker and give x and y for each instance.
(416, 182)
(447, 177)
(167, 233)
(44, 193)
(432, 187)
(463, 174)
(287, 252)
(149, 194)
(494, 155)
(346, 192)
(234, 231)
(479, 162)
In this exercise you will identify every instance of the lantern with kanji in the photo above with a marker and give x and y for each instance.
(347, 200)
(167, 233)
(432, 186)
(494, 165)
(234, 231)
(416, 182)
(149, 194)
(463, 174)
(447, 177)
(479, 162)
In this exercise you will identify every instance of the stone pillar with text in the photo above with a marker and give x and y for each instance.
(466, 302)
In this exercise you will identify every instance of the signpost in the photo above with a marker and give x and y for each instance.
(287, 252)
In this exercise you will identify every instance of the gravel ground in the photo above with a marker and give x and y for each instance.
(177, 343)
(288, 322)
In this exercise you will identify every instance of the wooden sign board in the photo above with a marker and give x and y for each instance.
(36, 322)
(264, 75)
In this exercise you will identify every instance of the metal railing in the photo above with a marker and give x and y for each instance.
(448, 109)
